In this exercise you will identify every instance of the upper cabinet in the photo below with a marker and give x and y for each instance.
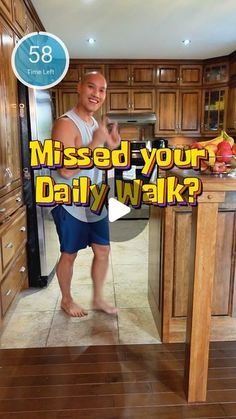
(130, 100)
(9, 144)
(214, 106)
(231, 114)
(87, 68)
(178, 112)
(130, 75)
(22, 19)
(216, 73)
(169, 75)
(6, 7)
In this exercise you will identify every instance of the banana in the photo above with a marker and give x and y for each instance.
(228, 138)
(215, 141)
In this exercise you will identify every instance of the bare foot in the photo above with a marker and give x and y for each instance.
(73, 309)
(101, 305)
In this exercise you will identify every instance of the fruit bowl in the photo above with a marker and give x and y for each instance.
(223, 165)
(221, 152)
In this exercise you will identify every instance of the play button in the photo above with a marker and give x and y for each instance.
(117, 210)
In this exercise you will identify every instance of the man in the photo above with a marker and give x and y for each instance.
(77, 226)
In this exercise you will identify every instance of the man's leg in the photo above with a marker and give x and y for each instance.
(64, 275)
(98, 274)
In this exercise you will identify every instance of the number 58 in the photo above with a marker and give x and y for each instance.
(46, 52)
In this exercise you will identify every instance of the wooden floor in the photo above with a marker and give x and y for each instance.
(131, 381)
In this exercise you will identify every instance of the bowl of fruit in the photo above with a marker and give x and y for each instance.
(221, 155)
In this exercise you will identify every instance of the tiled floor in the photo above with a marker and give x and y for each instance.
(36, 320)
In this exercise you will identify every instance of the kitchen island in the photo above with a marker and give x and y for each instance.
(192, 273)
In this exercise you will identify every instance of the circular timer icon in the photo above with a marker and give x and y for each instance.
(40, 60)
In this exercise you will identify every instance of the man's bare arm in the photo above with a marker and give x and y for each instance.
(65, 131)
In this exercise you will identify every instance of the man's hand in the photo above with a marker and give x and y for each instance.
(101, 135)
(113, 140)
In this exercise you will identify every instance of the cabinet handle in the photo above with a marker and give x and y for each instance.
(22, 269)
(23, 228)
(8, 292)
(9, 245)
(18, 199)
(2, 210)
(129, 105)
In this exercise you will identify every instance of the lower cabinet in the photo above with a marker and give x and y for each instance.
(13, 265)
(14, 281)
(170, 271)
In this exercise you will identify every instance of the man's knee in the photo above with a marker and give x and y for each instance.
(68, 257)
(101, 252)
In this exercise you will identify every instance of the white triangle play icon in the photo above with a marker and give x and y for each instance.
(116, 210)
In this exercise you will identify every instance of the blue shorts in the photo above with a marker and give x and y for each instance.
(75, 234)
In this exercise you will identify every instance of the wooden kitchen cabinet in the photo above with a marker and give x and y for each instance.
(214, 110)
(19, 15)
(87, 68)
(13, 272)
(169, 75)
(215, 73)
(231, 113)
(131, 75)
(178, 112)
(6, 7)
(10, 166)
(170, 270)
(130, 100)
(22, 19)
(72, 75)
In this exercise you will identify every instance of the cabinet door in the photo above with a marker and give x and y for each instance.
(68, 99)
(224, 262)
(29, 23)
(6, 7)
(168, 75)
(167, 112)
(142, 75)
(190, 75)
(142, 101)
(118, 101)
(231, 110)
(189, 111)
(214, 110)
(216, 73)
(118, 75)
(87, 68)
(9, 144)
(73, 74)
(19, 16)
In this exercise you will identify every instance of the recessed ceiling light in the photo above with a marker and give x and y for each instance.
(186, 42)
(91, 41)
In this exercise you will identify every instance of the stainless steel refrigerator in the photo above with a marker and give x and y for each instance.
(36, 119)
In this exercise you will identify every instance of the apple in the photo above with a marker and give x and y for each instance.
(234, 149)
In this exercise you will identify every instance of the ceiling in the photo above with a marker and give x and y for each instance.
(142, 29)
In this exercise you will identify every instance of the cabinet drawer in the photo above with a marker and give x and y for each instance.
(10, 203)
(14, 280)
(13, 238)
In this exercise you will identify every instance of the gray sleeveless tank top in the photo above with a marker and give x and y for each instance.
(86, 131)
